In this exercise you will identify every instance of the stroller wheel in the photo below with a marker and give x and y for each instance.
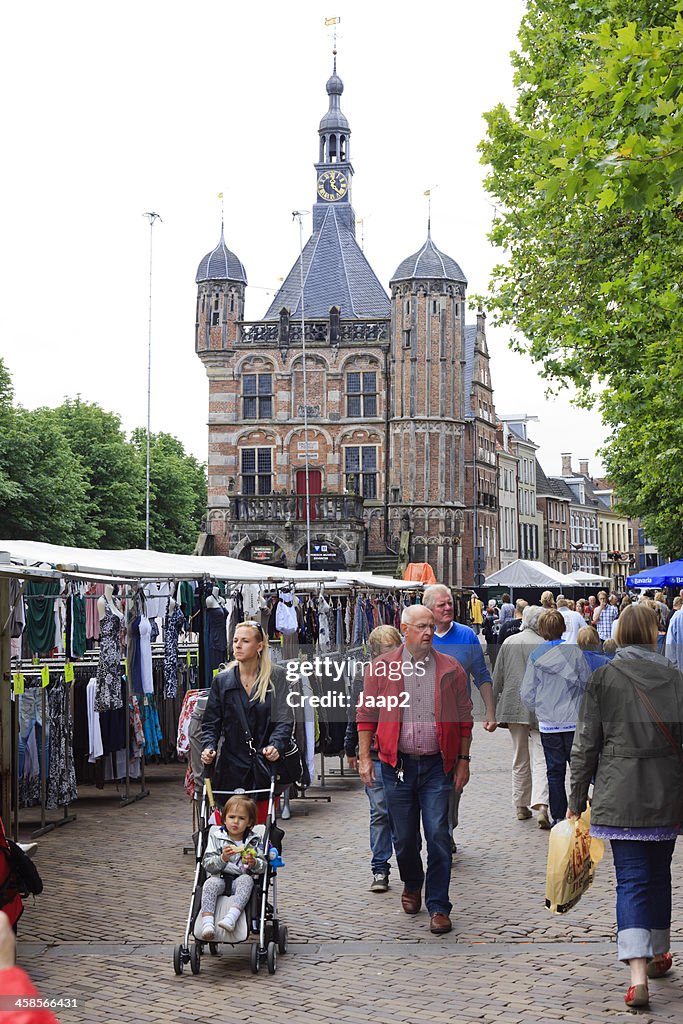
(254, 958)
(178, 959)
(282, 938)
(271, 958)
(195, 958)
(213, 949)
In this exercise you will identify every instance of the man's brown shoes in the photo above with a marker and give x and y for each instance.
(411, 900)
(441, 923)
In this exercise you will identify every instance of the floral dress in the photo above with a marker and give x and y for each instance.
(108, 696)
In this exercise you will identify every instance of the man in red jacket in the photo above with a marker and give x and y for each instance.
(415, 701)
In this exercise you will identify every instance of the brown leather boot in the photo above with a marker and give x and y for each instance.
(411, 900)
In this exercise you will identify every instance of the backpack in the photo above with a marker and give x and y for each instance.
(22, 877)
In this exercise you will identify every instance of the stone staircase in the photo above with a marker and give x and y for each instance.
(381, 563)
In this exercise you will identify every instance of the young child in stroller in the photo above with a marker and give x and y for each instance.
(231, 860)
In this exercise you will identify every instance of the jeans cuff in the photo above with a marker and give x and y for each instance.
(661, 940)
(634, 942)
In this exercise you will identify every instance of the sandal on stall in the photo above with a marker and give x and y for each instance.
(660, 966)
(637, 995)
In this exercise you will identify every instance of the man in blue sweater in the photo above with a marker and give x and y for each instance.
(461, 643)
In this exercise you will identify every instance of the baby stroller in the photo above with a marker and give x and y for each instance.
(260, 917)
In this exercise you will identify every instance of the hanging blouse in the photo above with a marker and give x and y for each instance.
(40, 615)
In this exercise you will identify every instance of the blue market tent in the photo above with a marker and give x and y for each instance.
(668, 575)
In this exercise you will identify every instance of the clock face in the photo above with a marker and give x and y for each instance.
(332, 185)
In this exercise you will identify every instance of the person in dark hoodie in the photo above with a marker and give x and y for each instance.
(629, 735)
(553, 685)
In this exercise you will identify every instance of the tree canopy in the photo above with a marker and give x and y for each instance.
(587, 172)
(70, 475)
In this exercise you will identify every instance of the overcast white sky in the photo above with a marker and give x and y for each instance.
(112, 110)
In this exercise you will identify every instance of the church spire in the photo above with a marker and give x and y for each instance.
(334, 170)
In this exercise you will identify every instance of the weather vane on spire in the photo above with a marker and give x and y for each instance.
(329, 22)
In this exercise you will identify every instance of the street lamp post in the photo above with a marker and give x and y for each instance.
(152, 217)
(299, 215)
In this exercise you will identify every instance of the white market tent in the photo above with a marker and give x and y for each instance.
(582, 577)
(526, 573)
(138, 564)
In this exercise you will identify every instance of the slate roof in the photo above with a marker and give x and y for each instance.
(221, 265)
(470, 337)
(591, 500)
(336, 273)
(551, 487)
(429, 262)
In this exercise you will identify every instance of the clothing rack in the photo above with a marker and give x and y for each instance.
(29, 669)
(45, 825)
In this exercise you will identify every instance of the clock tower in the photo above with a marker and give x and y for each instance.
(334, 170)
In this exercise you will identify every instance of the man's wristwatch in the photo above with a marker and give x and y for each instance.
(464, 757)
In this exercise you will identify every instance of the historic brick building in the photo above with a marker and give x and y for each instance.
(400, 432)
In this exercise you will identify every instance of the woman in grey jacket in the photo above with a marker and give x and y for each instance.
(629, 735)
(529, 777)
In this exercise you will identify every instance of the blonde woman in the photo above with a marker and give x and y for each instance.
(253, 684)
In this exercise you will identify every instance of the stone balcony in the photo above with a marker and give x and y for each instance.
(291, 508)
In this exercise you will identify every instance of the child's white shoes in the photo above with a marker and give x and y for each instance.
(230, 920)
(205, 929)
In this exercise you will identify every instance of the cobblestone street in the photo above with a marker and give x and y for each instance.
(117, 890)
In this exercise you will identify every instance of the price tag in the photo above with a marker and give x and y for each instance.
(18, 683)
(189, 659)
(45, 675)
(216, 671)
(68, 672)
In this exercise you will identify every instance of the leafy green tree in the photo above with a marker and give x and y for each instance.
(178, 492)
(587, 172)
(47, 498)
(112, 470)
(9, 489)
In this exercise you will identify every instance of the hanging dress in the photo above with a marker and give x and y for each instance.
(108, 696)
(141, 670)
(175, 622)
(61, 779)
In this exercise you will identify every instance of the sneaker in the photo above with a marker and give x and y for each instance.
(543, 819)
(380, 882)
(28, 848)
(523, 814)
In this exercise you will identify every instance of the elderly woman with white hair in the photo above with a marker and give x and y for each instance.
(529, 776)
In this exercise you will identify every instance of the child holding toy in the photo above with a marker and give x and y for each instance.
(231, 860)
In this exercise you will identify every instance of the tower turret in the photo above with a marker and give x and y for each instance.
(334, 169)
(221, 281)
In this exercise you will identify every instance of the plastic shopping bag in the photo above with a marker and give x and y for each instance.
(572, 859)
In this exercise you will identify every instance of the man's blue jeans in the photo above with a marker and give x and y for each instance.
(423, 792)
(557, 747)
(643, 896)
(381, 842)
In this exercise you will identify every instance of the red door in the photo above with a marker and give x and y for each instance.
(315, 486)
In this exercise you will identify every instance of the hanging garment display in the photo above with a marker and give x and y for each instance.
(175, 622)
(17, 619)
(75, 626)
(217, 637)
(140, 629)
(40, 615)
(108, 696)
(324, 610)
(186, 598)
(61, 776)
(32, 743)
(92, 612)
